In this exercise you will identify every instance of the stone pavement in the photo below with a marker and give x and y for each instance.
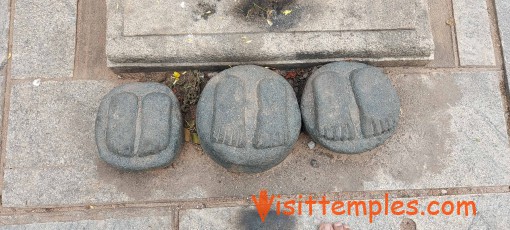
(452, 141)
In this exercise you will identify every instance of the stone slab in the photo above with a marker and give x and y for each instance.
(210, 33)
(474, 37)
(503, 12)
(2, 96)
(492, 213)
(51, 157)
(443, 33)
(4, 31)
(124, 218)
(90, 55)
(44, 39)
(224, 18)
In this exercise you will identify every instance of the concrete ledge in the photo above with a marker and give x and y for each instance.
(383, 45)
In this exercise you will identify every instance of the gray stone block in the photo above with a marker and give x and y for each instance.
(139, 126)
(44, 39)
(4, 31)
(118, 218)
(491, 213)
(2, 96)
(473, 33)
(210, 33)
(350, 107)
(248, 119)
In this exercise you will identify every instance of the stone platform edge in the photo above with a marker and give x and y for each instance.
(410, 47)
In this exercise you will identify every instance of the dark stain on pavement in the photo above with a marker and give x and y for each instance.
(274, 15)
(250, 220)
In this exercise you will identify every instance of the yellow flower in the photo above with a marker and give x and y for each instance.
(176, 76)
(286, 12)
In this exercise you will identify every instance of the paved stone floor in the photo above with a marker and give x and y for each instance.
(452, 143)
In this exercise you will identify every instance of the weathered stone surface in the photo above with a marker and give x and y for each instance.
(2, 95)
(44, 39)
(452, 133)
(139, 126)
(503, 11)
(350, 107)
(473, 33)
(4, 31)
(492, 213)
(131, 218)
(248, 118)
(211, 33)
(445, 50)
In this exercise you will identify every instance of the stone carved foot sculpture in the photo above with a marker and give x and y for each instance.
(333, 113)
(156, 117)
(259, 111)
(229, 102)
(139, 126)
(121, 131)
(349, 107)
(375, 98)
(271, 119)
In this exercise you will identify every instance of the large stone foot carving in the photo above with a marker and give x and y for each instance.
(375, 97)
(332, 107)
(121, 131)
(155, 121)
(228, 123)
(350, 107)
(257, 109)
(139, 126)
(271, 118)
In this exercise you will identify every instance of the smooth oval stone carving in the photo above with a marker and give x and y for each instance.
(350, 107)
(248, 119)
(139, 126)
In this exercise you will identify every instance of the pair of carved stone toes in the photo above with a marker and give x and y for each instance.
(341, 132)
(374, 127)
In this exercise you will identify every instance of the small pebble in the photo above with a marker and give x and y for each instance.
(444, 192)
(36, 82)
(311, 145)
(314, 163)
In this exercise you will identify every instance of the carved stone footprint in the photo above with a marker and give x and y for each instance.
(139, 126)
(271, 118)
(376, 99)
(349, 107)
(248, 119)
(121, 131)
(156, 117)
(228, 121)
(333, 115)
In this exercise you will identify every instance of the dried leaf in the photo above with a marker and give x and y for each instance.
(291, 74)
(195, 138)
(187, 135)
